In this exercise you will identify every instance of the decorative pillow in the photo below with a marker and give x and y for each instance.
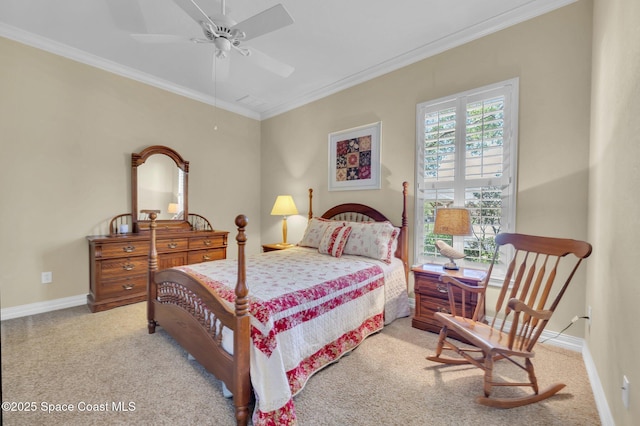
(372, 239)
(315, 230)
(334, 240)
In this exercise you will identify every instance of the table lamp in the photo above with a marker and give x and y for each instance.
(284, 206)
(172, 209)
(451, 221)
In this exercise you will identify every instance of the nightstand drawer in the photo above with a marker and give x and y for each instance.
(431, 286)
(429, 306)
(439, 290)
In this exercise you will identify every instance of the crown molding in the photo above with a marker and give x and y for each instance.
(515, 16)
(83, 57)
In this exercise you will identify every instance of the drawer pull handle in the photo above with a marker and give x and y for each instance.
(442, 288)
(205, 257)
(128, 266)
(129, 249)
(172, 245)
(446, 311)
(128, 286)
(207, 242)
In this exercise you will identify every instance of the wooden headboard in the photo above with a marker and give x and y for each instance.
(354, 212)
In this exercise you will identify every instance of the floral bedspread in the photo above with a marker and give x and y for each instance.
(307, 310)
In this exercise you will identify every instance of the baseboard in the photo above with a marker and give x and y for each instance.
(596, 386)
(42, 307)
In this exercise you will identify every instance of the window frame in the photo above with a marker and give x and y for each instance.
(460, 101)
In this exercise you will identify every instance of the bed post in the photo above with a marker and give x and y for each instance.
(404, 243)
(310, 215)
(242, 333)
(153, 267)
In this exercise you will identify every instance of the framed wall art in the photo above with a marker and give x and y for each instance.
(354, 158)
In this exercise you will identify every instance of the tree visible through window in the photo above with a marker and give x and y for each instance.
(466, 157)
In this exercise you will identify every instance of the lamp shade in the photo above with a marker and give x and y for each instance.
(452, 221)
(173, 208)
(284, 206)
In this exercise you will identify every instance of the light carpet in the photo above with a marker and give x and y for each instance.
(111, 371)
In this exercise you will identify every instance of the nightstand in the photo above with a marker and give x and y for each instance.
(432, 295)
(277, 246)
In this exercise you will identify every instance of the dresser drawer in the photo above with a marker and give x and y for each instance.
(122, 267)
(119, 264)
(125, 286)
(207, 255)
(166, 245)
(207, 242)
(125, 249)
(169, 260)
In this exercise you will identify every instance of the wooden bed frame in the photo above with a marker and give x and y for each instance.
(194, 315)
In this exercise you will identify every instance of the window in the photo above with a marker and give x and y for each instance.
(466, 156)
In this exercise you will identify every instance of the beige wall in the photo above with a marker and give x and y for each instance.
(614, 212)
(67, 132)
(552, 57)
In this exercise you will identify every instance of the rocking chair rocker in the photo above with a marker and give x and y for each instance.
(523, 308)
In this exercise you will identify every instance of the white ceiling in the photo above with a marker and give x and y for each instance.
(332, 44)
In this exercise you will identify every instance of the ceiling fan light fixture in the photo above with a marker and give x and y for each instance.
(222, 44)
(227, 35)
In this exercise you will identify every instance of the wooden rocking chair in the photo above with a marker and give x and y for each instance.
(523, 308)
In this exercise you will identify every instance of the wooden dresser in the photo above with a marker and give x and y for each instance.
(118, 264)
(432, 295)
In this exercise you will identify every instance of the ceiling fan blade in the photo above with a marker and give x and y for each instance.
(159, 38)
(192, 9)
(220, 71)
(269, 63)
(264, 22)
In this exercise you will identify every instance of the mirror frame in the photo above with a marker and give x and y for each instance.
(137, 159)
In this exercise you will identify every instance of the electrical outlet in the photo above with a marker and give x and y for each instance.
(625, 391)
(589, 315)
(47, 277)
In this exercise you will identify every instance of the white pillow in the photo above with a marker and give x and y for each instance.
(316, 228)
(334, 240)
(372, 239)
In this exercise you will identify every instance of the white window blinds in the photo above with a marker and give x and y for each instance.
(466, 157)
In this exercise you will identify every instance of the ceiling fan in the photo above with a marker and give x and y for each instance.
(227, 35)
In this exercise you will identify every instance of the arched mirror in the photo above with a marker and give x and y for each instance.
(159, 183)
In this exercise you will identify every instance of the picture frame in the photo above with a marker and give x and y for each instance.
(354, 158)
